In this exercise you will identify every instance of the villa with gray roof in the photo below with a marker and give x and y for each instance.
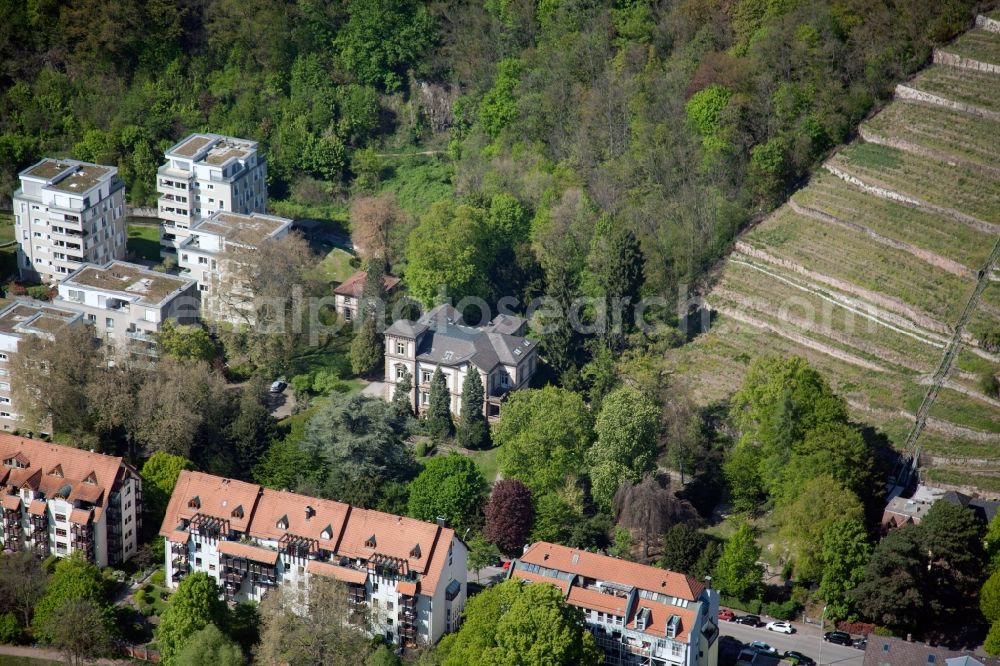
(127, 303)
(203, 174)
(67, 213)
(209, 253)
(498, 351)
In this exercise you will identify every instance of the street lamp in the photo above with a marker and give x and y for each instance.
(822, 619)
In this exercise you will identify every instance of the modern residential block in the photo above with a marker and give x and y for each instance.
(347, 295)
(639, 614)
(203, 174)
(127, 303)
(504, 359)
(409, 576)
(57, 500)
(210, 255)
(68, 213)
(19, 319)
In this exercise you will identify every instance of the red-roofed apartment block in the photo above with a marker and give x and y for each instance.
(638, 614)
(57, 500)
(410, 575)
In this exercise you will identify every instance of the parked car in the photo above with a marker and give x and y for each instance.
(278, 385)
(838, 637)
(781, 627)
(799, 658)
(752, 620)
(861, 643)
(761, 646)
(727, 615)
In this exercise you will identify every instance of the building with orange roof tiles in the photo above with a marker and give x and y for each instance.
(639, 614)
(408, 574)
(58, 500)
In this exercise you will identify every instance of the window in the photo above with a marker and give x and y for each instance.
(202, 260)
(197, 561)
(211, 567)
(400, 371)
(75, 295)
(60, 518)
(425, 376)
(109, 322)
(401, 348)
(4, 386)
(60, 532)
(425, 398)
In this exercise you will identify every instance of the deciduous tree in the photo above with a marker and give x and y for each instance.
(626, 444)
(509, 515)
(846, 552)
(737, 572)
(648, 509)
(210, 646)
(450, 486)
(74, 580)
(543, 435)
(372, 220)
(160, 474)
(22, 583)
(78, 628)
(194, 605)
(515, 623)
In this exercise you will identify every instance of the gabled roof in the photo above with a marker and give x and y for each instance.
(75, 464)
(326, 516)
(354, 286)
(216, 497)
(603, 567)
(984, 509)
(889, 651)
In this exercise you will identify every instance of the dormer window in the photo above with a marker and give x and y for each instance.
(282, 523)
(56, 471)
(17, 461)
(327, 532)
(237, 512)
(415, 552)
(370, 542)
(194, 502)
(91, 479)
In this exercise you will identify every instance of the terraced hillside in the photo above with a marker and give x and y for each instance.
(883, 270)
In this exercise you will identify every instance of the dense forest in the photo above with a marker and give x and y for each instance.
(676, 120)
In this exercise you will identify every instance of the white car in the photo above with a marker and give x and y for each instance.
(781, 627)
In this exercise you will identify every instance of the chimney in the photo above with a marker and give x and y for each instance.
(310, 512)
(441, 521)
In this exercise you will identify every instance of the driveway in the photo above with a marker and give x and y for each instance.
(281, 404)
(806, 640)
(375, 390)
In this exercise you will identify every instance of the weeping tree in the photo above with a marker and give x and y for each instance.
(648, 509)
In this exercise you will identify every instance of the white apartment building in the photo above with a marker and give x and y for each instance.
(639, 614)
(17, 320)
(203, 174)
(209, 253)
(67, 213)
(127, 303)
(406, 575)
(504, 359)
(57, 500)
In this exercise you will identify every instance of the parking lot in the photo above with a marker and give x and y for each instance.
(806, 639)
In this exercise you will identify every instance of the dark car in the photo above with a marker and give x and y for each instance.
(861, 643)
(752, 620)
(799, 658)
(838, 637)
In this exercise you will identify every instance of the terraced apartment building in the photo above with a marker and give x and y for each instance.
(639, 614)
(211, 255)
(203, 174)
(127, 303)
(67, 213)
(406, 577)
(19, 319)
(59, 500)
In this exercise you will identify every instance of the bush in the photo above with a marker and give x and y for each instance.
(785, 610)
(422, 449)
(141, 598)
(883, 631)
(988, 383)
(40, 291)
(753, 606)
(159, 577)
(148, 587)
(302, 384)
(328, 381)
(11, 631)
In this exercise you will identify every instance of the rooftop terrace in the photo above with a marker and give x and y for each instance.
(24, 316)
(213, 149)
(149, 286)
(77, 177)
(249, 229)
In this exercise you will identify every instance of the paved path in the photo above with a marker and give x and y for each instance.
(806, 640)
(52, 655)
(282, 404)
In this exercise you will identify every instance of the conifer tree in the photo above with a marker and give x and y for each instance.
(402, 400)
(438, 415)
(473, 432)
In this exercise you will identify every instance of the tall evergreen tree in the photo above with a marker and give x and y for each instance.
(559, 340)
(402, 398)
(622, 277)
(367, 348)
(438, 415)
(473, 431)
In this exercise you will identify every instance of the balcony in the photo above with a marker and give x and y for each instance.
(178, 548)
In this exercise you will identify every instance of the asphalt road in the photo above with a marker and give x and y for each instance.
(806, 641)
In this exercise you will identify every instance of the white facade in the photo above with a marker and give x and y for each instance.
(209, 253)
(127, 303)
(407, 577)
(66, 214)
(58, 500)
(204, 174)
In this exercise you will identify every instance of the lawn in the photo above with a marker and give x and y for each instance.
(144, 241)
(336, 266)
(6, 228)
(6, 660)
(487, 463)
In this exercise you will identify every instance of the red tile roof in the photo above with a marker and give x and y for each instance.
(536, 578)
(594, 600)
(354, 286)
(37, 508)
(209, 495)
(179, 536)
(602, 567)
(409, 588)
(343, 574)
(246, 551)
(659, 614)
(11, 502)
(305, 516)
(80, 516)
(52, 467)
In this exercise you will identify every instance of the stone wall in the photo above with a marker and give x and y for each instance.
(912, 94)
(952, 60)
